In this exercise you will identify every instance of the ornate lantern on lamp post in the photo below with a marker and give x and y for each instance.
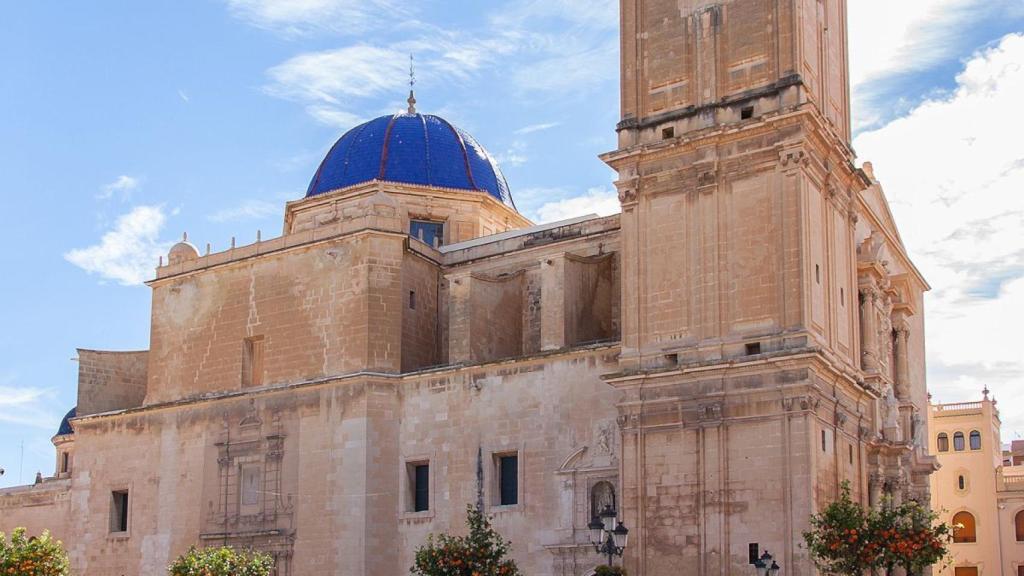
(766, 565)
(608, 538)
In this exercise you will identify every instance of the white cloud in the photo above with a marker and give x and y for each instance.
(27, 406)
(247, 210)
(514, 157)
(600, 201)
(129, 253)
(953, 169)
(184, 96)
(537, 128)
(298, 17)
(912, 37)
(124, 186)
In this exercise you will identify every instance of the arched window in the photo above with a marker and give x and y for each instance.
(961, 482)
(943, 442)
(958, 441)
(964, 528)
(975, 440)
(1019, 521)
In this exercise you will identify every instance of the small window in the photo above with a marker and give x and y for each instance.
(252, 362)
(975, 440)
(419, 477)
(823, 445)
(943, 442)
(842, 297)
(412, 299)
(430, 233)
(817, 273)
(1018, 522)
(747, 113)
(958, 441)
(65, 462)
(668, 133)
(119, 511)
(508, 479)
(753, 349)
(964, 530)
(961, 482)
(851, 453)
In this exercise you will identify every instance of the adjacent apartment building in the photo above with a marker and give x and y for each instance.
(976, 490)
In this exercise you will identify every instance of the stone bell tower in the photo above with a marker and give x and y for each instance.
(745, 402)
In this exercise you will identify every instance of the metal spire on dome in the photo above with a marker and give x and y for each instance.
(412, 84)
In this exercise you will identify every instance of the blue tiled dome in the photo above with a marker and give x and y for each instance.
(411, 149)
(65, 425)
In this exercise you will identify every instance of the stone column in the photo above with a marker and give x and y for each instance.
(552, 303)
(902, 361)
(868, 330)
(875, 485)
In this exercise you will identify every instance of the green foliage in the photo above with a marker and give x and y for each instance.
(42, 556)
(482, 553)
(610, 571)
(846, 540)
(223, 561)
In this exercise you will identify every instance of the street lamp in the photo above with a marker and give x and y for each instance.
(609, 539)
(766, 565)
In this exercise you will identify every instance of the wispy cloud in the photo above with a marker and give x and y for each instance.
(129, 253)
(123, 186)
(914, 37)
(600, 201)
(301, 17)
(27, 405)
(184, 96)
(951, 171)
(247, 210)
(537, 128)
(514, 157)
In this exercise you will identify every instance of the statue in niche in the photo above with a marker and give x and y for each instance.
(604, 439)
(916, 431)
(602, 494)
(891, 421)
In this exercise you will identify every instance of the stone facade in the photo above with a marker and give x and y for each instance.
(714, 361)
(977, 490)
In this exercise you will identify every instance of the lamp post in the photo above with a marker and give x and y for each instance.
(766, 565)
(608, 538)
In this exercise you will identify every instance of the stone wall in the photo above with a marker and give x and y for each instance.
(111, 380)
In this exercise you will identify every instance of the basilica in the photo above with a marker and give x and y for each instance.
(711, 363)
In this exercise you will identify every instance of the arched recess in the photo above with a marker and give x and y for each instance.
(965, 528)
(602, 494)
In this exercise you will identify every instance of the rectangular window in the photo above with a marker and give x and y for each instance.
(753, 349)
(965, 571)
(668, 133)
(252, 362)
(823, 449)
(851, 453)
(508, 479)
(64, 463)
(817, 273)
(250, 479)
(420, 477)
(430, 233)
(119, 511)
(412, 299)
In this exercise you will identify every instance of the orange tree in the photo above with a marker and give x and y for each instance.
(482, 553)
(223, 561)
(846, 540)
(837, 539)
(909, 537)
(42, 556)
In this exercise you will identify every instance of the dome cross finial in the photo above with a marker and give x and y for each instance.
(412, 84)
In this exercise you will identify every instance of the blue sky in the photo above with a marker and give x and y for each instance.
(127, 123)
